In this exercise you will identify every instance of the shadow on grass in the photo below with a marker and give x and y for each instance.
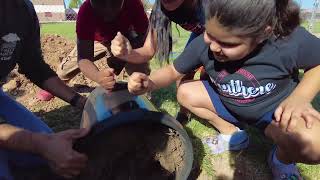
(163, 95)
(249, 164)
(198, 153)
(65, 117)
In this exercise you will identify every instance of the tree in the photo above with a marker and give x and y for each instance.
(75, 3)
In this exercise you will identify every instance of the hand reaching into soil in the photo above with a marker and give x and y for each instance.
(138, 83)
(63, 160)
(120, 46)
(106, 78)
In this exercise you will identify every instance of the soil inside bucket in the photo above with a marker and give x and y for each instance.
(136, 152)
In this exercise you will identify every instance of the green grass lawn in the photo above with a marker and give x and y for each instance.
(252, 161)
(316, 26)
(67, 29)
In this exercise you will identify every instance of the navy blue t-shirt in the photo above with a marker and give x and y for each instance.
(188, 17)
(258, 84)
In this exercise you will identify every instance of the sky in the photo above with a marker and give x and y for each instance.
(305, 4)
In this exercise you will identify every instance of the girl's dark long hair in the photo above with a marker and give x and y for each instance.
(161, 25)
(288, 17)
(251, 17)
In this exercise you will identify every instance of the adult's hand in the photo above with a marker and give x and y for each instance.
(58, 150)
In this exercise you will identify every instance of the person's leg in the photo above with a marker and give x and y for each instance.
(300, 145)
(193, 95)
(183, 114)
(17, 115)
(200, 99)
(68, 68)
(4, 167)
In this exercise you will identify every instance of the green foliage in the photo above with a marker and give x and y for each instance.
(75, 3)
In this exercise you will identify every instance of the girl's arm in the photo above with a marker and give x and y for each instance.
(121, 48)
(164, 77)
(297, 106)
(309, 86)
(140, 83)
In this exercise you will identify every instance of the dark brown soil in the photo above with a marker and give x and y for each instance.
(142, 151)
(136, 152)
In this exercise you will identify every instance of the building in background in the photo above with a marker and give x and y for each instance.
(50, 10)
(65, 10)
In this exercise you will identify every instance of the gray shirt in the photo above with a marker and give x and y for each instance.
(257, 84)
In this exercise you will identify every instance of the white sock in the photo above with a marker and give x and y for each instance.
(237, 136)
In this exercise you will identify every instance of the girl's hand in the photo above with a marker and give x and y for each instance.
(294, 109)
(120, 46)
(106, 78)
(138, 83)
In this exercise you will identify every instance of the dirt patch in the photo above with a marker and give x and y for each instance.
(54, 48)
(137, 152)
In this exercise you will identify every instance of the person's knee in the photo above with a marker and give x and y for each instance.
(184, 96)
(309, 149)
(306, 146)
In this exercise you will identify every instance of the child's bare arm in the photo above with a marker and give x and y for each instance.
(298, 106)
(140, 83)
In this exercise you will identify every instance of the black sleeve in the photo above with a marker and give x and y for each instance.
(308, 53)
(190, 58)
(85, 49)
(31, 61)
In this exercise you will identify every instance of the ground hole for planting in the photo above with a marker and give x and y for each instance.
(135, 152)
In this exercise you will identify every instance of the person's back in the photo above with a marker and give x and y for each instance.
(18, 34)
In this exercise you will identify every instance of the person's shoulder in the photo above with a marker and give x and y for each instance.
(300, 33)
(132, 5)
(199, 43)
(85, 8)
(85, 14)
(31, 16)
(29, 5)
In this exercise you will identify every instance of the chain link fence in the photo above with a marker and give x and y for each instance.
(64, 10)
(54, 11)
(311, 16)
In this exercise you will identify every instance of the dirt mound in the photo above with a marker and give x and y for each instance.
(55, 48)
(137, 152)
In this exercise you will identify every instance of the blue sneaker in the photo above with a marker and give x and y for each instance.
(283, 171)
(218, 145)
